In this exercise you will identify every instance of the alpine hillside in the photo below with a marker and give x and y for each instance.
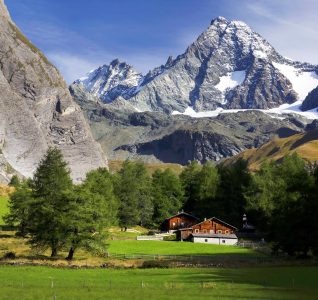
(37, 110)
(305, 145)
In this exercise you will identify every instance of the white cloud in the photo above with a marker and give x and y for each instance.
(290, 26)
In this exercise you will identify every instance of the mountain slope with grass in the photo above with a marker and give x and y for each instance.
(304, 144)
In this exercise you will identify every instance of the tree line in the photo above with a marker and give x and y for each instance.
(280, 199)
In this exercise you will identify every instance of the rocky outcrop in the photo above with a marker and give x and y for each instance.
(159, 137)
(37, 110)
(311, 101)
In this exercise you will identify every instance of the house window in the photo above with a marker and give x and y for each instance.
(223, 241)
(196, 230)
(206, 240)
(173, 224)
(182, 224)
(212, 231)
(227, 232)
(204, 231)
(219, 231)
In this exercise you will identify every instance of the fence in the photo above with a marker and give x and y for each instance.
(149, 238)
(219, 258)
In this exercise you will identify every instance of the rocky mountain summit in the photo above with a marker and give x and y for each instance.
(113, 81)
(37, 110)
(229, 66)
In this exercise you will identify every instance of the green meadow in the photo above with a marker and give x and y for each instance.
(131, 247)
(31, 283)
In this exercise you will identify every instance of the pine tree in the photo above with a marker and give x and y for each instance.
(50, 189)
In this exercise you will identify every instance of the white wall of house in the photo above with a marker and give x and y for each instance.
(214, 240)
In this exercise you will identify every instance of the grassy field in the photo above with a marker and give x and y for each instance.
(247, 283)
(174, 248)
(3, 208)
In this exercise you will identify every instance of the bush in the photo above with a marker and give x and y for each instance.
(9, 255)
(160, 264)
(170, 238)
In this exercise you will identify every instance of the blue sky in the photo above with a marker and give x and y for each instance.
(79, 35)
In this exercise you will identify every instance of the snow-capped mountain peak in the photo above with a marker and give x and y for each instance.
(108, 82)
(229, 66)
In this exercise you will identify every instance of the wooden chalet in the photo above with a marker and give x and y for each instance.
(178, 221)
(214, 231)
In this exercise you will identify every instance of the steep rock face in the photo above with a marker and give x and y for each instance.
(228, 66)
(311, 101)
(159, 137)
(37, 110)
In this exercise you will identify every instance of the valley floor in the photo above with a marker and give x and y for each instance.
(31, 283)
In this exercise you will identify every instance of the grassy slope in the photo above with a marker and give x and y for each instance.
(115, 165)
(306, 145)
(247, 283)
(3, 208)
(174, 248)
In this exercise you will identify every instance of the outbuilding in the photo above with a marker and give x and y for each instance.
(216, 239)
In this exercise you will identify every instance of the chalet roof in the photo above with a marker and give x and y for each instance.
(215, 235)
(182, 213)
(219, 220)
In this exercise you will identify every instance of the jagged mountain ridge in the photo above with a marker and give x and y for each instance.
(228, 66)
(109, 81)
(37, 110)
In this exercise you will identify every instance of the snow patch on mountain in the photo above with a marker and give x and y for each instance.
(303, 82)
(278, 112)
(231, 80)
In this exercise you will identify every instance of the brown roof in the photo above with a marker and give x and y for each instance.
(214, 218)
(183, 213)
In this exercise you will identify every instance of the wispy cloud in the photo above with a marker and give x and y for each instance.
(290, 26)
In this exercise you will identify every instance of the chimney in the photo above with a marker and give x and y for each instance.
(204, 219)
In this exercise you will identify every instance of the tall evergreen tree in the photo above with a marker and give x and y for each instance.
(168, 195)
(191, 185)
(50, 188)
(93, 208)
(230, 202)
(281, 198)
(133, 189)
(19, 208)
(208, 182)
